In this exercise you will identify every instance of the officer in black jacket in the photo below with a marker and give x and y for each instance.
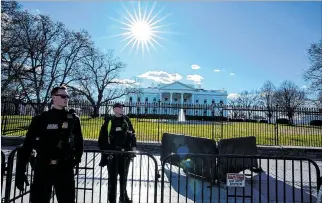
(117, 134)
(56, 136)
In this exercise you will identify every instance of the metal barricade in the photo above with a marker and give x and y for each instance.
(91, 180)
(3, 170)
(3, 167)
(12, 194)
(238, 178)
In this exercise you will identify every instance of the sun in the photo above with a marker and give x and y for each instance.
(142, 29)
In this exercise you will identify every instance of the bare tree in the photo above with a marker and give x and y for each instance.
(316, 102)
(233, 104)
(290, 97)
(13, 54)
(243, 103)
(9, 7)
(267, 98)
(39, 54)
(99, 81)
(313, 74)
(248, 99)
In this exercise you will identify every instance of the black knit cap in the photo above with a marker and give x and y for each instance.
(118, 105)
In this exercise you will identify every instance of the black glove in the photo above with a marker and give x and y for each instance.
(76, 162)
(76, 165)
(105, 159)
(32, 162)
(21, 179)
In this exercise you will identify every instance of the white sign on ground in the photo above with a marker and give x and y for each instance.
(235, 180)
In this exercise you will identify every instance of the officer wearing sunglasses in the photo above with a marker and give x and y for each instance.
(56, 136)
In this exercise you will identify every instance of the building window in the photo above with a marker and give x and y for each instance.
(153, 110)
(205, 101)
(154, 99)
(197, 101)
(138, 110)
(139, 99)
(213, 101)
(185, 100)
(130, 99)
(205, 112)
(221, 101)
(175, 99)
(146, 99)
(146, 110)
(166, 99)
(165, 111)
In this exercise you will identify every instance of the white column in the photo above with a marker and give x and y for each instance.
(170, 97)
(160, 95)
(182, 98)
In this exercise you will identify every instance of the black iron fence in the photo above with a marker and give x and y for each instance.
(233, 178)
(190, 178)
(91, 180)
(271, 126)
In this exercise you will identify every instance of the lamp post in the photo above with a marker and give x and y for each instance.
(17, 102)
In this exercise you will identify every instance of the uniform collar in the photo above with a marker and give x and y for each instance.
(58, 110)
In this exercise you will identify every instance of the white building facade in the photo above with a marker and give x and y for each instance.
(178, 94)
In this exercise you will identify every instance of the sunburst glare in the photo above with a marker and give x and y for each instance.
(142, 30)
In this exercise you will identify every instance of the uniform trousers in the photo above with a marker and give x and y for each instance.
(61, 176)
(119, 165)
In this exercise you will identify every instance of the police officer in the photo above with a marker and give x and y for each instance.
(56, 136)
(117, 134)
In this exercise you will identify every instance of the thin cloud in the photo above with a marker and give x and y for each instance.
(195, 78)
(232, 74)
(216, 70)
(195, 67)
(161, 76)
(126, 82)
(233, 96)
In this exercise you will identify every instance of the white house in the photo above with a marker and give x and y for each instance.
(175, 93)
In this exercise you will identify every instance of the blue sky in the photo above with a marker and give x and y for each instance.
(246, 42)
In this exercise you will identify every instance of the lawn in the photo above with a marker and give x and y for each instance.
(152, 130)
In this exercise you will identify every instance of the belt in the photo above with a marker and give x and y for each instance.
(120, 148)
(53, 162)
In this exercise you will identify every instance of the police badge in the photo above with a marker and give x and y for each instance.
(65, 125)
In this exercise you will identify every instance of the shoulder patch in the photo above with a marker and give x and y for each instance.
(70, 116)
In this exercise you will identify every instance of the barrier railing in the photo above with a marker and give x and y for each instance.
(189, 178)
(235, 178)
(3, 168)
(92, 180)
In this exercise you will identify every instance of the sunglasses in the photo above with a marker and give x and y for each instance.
(63, 96)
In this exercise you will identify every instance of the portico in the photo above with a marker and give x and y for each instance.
(176, 97)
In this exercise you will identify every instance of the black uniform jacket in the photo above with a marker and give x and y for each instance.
(118, 138)
(46, 131)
